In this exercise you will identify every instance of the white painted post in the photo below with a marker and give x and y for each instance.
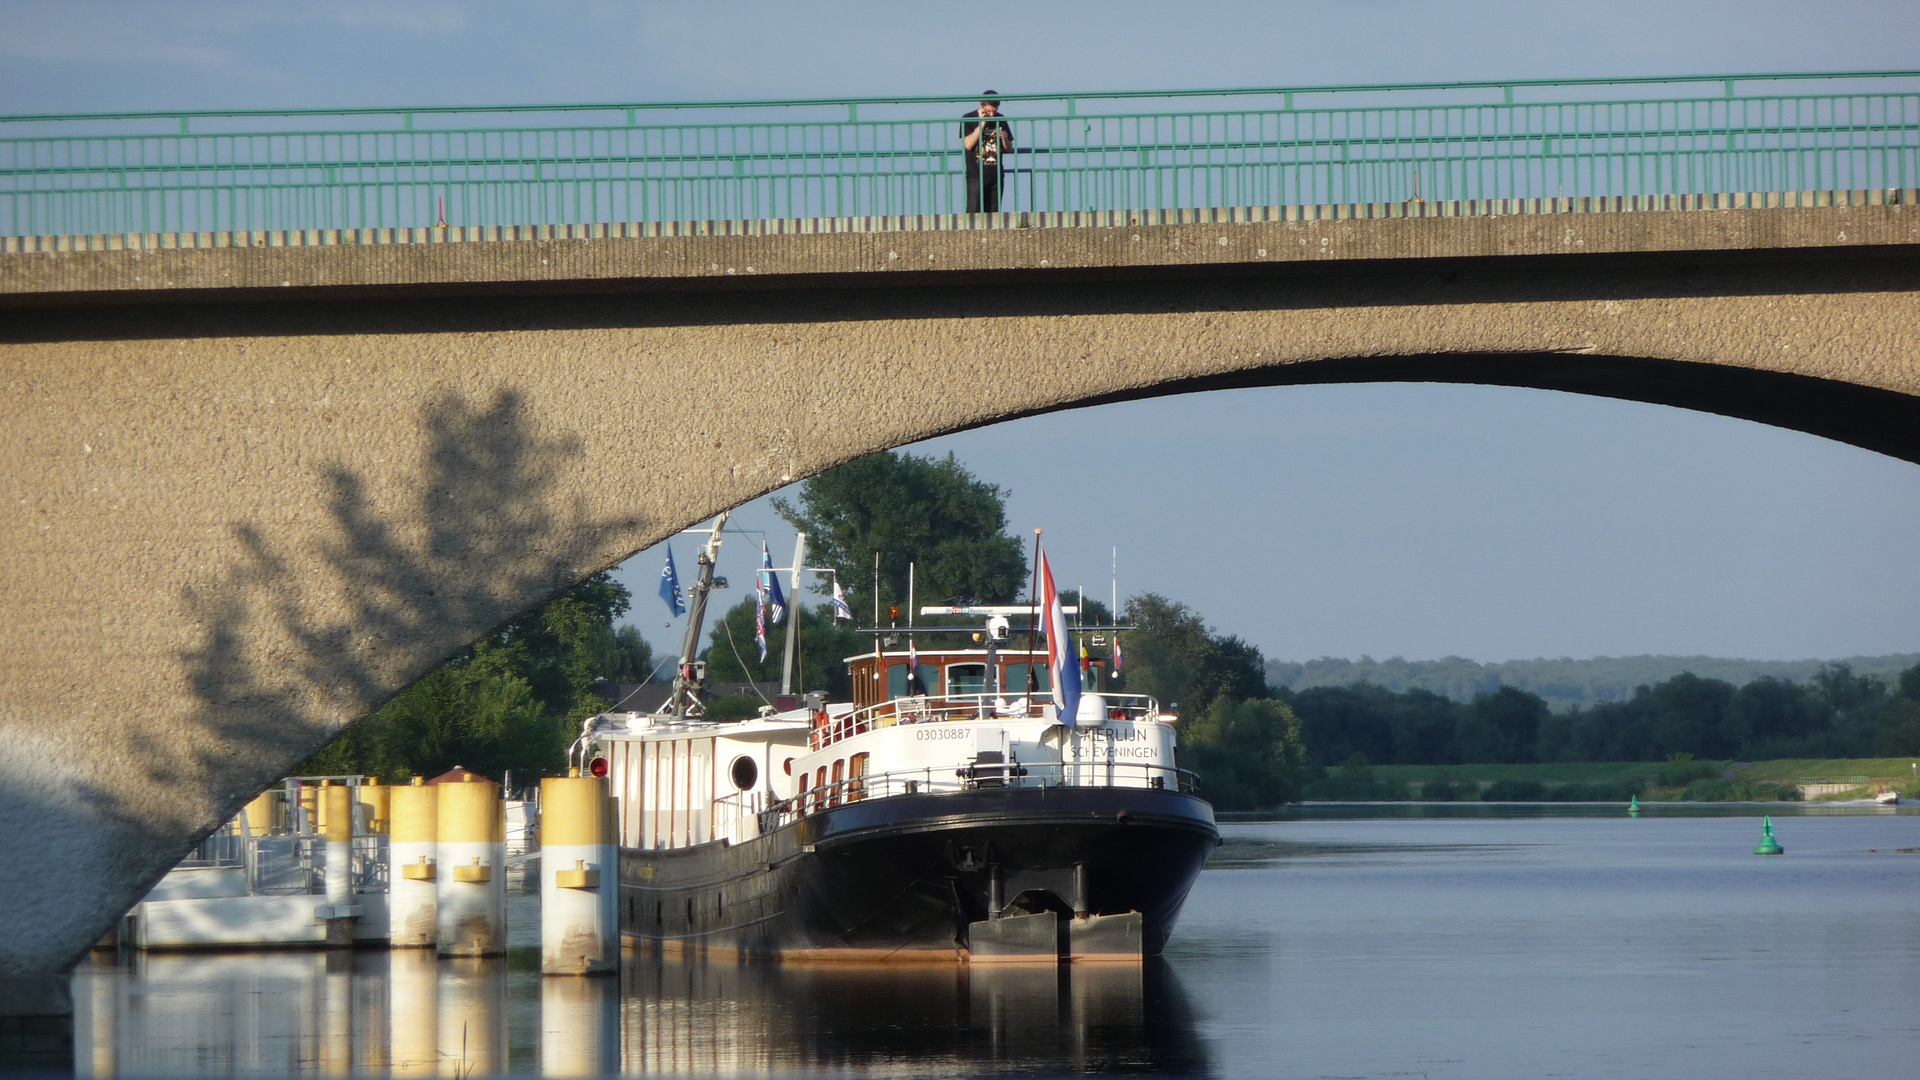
(579, 877)
(336, 806)
(472, 878)
(413, 853)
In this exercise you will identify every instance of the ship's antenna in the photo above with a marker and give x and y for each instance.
(876, 590)
(1113, 604)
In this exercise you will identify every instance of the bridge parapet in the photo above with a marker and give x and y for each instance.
(117, 268)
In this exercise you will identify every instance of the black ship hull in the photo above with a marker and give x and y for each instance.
(914, 876)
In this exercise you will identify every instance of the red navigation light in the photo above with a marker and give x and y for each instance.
(598, 766)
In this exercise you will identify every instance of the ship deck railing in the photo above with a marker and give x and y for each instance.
(948, 708)
(750, 813)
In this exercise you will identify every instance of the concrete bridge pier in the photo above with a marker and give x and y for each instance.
(36, 1022)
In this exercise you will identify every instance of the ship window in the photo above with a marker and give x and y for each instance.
(800, 793)
(856, 777)
(1017, 678)
(966, 678)
(820, 788)
(897, 680)
(745, 772)
(839, 775)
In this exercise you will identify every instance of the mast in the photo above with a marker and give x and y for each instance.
(793, 614)
(1033, 615)
(692, 677)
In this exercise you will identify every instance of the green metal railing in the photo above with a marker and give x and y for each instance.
(576, 164)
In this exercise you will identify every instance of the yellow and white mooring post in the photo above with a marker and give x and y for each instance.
(413, 854)
(376, 804)
(336, 807)
(579, 877)
(472, 875)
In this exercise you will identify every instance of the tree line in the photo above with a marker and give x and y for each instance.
(1563, 682)
(1836, 714)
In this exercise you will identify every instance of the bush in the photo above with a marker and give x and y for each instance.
(733, 707)
(1681, 770)
(1604, 791)
(1446, 789)
(1515, 791)
(1346, 786)
(1739, 791)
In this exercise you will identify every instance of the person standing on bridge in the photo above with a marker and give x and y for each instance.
(983, 142)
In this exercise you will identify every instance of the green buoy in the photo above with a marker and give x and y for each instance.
(1633, 808)
(1768, 845)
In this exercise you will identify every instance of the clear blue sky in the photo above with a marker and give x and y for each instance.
(1407, 520)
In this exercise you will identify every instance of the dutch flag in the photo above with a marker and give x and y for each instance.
(1062, 661)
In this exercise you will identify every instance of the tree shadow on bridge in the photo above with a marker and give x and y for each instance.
(296, 645)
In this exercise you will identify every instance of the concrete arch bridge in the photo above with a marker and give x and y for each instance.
(259, 481)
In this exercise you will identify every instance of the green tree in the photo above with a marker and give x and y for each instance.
(909, 509)
(824, 647)
(1175, 656)
(1774, 718)
(1898, 733)
(1502, 726)
(1248, 753)
(629, 657)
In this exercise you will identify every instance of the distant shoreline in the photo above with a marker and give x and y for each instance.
(1563, 682)
(1761, 781)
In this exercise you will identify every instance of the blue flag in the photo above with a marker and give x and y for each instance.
(670, 588)
(770, 584)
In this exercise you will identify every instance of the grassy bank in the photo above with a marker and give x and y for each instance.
(1650, 781)
(1557, 773)
(1881, 770)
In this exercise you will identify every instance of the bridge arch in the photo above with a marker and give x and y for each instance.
(242, 525)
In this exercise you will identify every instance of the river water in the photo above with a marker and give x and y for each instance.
(1393, 941)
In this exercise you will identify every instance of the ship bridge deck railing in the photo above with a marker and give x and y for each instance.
(751, 813)
(948, 708)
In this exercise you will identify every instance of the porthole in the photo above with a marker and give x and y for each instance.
(745, 772)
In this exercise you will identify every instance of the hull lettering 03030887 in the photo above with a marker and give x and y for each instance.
(928, 734)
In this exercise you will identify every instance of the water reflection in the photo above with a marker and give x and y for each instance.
(408, 1013)
(710, 1019)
